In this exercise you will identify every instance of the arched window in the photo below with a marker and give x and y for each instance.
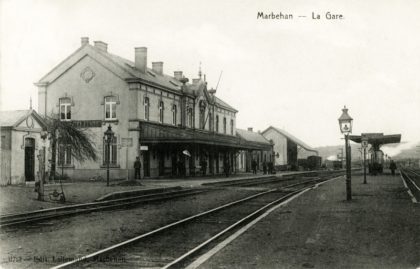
(224, 125)
(110, 108)
(217, 123)
(190, 117)
(210, 121)
(161, 110)
(146, 108)
(65, 108)
(174, 114)
(202, 107)
(231, 127)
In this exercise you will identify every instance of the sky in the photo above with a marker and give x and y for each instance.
(293, 74)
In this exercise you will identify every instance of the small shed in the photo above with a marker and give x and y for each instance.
(287, 148)
(20, 132)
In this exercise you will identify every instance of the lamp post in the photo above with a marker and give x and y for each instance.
(109, 134)
(345, 122)
(364, 146)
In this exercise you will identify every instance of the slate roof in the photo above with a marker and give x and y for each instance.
(125, 70)
(252, 136)
(223, 104)
(292, 137)
(11, 117)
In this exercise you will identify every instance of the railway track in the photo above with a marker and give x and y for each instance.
(412, 182)
(59, 212)
(272, 179)
(176, 244)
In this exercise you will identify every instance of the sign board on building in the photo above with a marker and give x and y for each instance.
(126, 142)
(144, 148)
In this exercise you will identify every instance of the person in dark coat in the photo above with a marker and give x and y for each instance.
(270, 168)
(392, 166)
(254, 166)
(264, 168)
(204, 166)
(226, 166)
(137, 167)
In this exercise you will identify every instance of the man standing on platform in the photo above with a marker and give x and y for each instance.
(137, 167)
(392, 166)
(254, 166)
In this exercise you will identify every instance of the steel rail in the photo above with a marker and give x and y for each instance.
(244, 219)
(407, 172)
(231, 227)
(171, 225)
(34, 216)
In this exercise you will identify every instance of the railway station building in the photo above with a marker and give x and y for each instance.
(21, 143)
(255, 148)
(176, 127)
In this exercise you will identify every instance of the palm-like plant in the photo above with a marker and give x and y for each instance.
(67, 133)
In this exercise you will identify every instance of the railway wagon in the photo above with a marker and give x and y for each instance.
(314, 162)
(376, 163)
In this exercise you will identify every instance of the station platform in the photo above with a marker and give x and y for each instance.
(379, 228)
(23, 198)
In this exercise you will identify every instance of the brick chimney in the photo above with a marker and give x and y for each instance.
(100, 45)
(157, 67)
(140, 58)
(85, 41)
(250, 129)
(178, 75)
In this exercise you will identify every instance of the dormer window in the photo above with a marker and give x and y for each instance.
(65, 108)
(110, 108)
(161, 110)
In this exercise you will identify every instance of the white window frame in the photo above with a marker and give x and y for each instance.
(67, 108)
(110, 103)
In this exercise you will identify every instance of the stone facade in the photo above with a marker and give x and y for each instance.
(97, 89)
(20, 146)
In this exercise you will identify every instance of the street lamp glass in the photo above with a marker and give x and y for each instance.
(345, 122)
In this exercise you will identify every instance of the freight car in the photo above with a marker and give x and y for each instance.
(314, 162)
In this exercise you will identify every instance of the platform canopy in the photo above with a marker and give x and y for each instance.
(376, 139)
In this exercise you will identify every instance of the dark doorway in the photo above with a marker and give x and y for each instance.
(174, 162)
(29, 159)
(161, 161)
(146, 163)
(211, 163)
(217, 163)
